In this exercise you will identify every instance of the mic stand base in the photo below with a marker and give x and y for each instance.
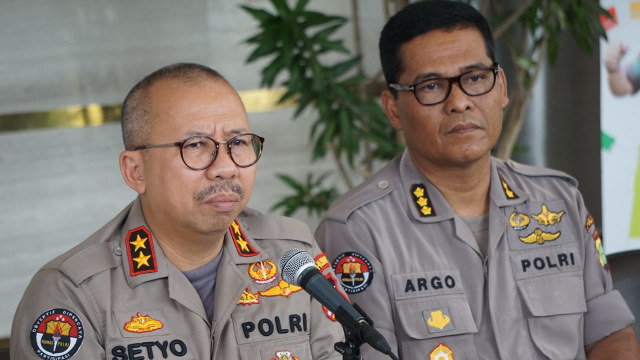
(350, 347)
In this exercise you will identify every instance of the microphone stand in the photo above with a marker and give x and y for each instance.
(353, 337)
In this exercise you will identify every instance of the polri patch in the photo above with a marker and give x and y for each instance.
(243, 246)
(142, 256)
(354, 271)
(284, 355)
(321, 262)
(263, 272)
(57, 334)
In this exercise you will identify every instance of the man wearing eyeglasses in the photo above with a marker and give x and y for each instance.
(455, 254)
(186, 271)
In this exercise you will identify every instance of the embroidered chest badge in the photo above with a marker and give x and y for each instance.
(546, 217)
(507, 189)
(248, 298)
(263, 272)
(282, 289)
(441, 352)
(438, 320)
(142, 324)
(56, 334)
(421, 200)
(142, 256)
(518, 221)
(243, 246)
(539, 237)
(354, 271)
(284, 355)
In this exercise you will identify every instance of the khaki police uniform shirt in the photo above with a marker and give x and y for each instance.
(116, 296)
(543, 291)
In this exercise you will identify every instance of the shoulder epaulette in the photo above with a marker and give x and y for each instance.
(88, 262)
(274, 226)
(529, 170)
(372, 189)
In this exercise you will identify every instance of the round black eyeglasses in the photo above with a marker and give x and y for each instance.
(199, 152)
(434, 91)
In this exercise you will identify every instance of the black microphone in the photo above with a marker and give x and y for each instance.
(298, 268)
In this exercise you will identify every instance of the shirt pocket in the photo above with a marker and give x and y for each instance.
(289, 349)
(556, 305)
(432, 321)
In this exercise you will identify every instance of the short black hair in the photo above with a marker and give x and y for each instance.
(420, 18)
(135, 119)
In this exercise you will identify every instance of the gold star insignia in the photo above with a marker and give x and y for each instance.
(418, 192)
(236, 228)
(422, 201)
(243, 244)
(139, 243)
(142, 260)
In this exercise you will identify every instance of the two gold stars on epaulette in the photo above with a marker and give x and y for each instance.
(239, 240)
(142, 259)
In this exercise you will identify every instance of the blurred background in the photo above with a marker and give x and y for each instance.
(66, 65)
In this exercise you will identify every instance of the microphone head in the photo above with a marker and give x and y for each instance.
(293, 263)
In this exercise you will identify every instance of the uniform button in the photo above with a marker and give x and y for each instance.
(117, 251)
(383, 184)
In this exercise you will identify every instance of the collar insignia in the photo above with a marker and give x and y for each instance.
(142, 256)
(546, 217)
(282, 289)
(507, 189)
(518, 221)
(421, 199)
(263, 272)
(142, 324)
(240, 240)
(284, 355)
(248, 298)
(441, 352)
(540, 237)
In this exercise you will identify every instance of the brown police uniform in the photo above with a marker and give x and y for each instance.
(542, 291)
(116, 296)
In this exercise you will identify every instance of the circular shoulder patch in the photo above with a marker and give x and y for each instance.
(354, 271)
(57, 334)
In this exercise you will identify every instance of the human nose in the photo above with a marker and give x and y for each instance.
(223, 166)
(458, 100)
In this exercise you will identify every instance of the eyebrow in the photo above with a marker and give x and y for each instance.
(230, 133)
(432, 75)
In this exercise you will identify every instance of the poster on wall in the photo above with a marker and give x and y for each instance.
(620, 126)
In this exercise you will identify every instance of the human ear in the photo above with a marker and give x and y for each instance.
(132, 169)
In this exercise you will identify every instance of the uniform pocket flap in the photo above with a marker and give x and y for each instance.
(554, 295)
(429, 317)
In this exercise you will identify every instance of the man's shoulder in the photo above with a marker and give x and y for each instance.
(375, 188)
(272, 227)
(99, 252)
(533, 173)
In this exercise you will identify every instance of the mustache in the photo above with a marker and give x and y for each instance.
(218, 187)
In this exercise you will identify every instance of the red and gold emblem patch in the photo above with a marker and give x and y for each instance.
(321, 262)
(263, 272)
(56, 334)
(142, 324)
(142, 256)
(248, 298)
(243, 247)
(441, 352)
(284, 355)
(598, 242)
(354, 271)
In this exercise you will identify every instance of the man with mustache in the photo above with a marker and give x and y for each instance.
(455, 254)
(186, 270)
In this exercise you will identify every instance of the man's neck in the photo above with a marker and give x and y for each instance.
(466, 188)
